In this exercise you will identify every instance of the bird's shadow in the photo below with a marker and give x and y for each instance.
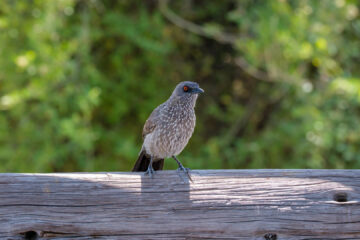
(178, 184)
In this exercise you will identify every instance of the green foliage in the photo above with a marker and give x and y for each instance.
(79, 78)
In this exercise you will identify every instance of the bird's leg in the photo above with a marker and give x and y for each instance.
(150, 169)
(182, 168)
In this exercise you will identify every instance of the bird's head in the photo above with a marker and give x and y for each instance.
(187, 88)
(186, 93)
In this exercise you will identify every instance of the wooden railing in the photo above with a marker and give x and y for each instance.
(218, 204)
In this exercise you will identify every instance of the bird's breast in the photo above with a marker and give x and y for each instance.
(172, 135)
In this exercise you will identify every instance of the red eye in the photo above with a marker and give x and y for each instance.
(186, 88)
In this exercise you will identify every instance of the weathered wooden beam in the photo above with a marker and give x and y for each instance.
(219, 204)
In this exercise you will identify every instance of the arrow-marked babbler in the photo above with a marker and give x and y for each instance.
(168, 129)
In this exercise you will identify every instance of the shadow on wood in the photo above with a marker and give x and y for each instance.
(219, 204)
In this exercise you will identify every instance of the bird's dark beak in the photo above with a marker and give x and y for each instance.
(197, 90)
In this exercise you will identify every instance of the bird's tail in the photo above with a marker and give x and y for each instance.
(143, 161)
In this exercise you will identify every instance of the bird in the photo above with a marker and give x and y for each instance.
(168, 129)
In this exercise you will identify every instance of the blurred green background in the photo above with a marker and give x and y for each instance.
(78, 79)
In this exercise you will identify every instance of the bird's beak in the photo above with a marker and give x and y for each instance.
(198, 90)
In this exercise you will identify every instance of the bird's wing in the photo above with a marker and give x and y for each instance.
(151, 122)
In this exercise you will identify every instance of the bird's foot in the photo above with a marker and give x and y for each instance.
(185, 170)
(150, 171)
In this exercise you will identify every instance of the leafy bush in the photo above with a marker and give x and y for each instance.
(79, 78)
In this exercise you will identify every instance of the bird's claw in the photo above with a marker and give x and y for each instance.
(186, 171)
(150, 171)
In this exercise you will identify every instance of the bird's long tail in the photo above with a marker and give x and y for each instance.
(143, 161)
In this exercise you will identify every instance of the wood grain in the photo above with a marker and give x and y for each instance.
(219, 204)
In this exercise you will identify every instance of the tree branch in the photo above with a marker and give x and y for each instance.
(192, 27)
(222, 37)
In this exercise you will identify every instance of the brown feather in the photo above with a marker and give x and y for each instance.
(151, 122)
(143, 162)
(148, 127)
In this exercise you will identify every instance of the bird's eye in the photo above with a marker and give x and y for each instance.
(186, 88)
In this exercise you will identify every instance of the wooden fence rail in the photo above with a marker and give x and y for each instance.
(218, 204)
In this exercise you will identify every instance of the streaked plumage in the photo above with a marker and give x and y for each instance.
(169, 127)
